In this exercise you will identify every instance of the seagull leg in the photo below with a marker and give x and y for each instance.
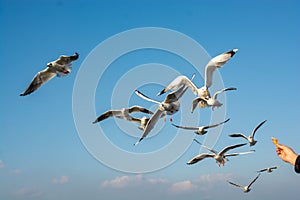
(165, 119)
(171, 119)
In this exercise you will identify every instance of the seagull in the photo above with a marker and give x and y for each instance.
(60, 67)
(250, 138)
(209, 102)
(212, 65)
(124, 113)
(202, 129)
(269, 169)
(220, 157)
(247, 187)
(169, 106)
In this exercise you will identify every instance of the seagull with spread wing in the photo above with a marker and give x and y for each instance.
(250, 138)
(220, 157)
(209, 102)
(169, 106)
(247, 187)
(269, 169)
(123, 113)
(202, 129)
(60, 67)
(212, 65)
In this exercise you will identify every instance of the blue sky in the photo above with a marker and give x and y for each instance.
(42, 155)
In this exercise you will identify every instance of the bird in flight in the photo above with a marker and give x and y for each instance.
(60, 67)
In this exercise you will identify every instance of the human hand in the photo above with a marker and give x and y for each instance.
(286, 153)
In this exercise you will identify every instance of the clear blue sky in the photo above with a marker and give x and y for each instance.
(41, 152)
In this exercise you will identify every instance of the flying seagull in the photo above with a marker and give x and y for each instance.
(212, 65)
(209, 102)
(123, 113)
(202, 129)
(60, 67)
(250, 138)
(247, 187)
(269, 169)
(220, 157)
(169, 106)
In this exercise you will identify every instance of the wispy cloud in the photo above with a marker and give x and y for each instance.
(1, 164)
(138, 185)
(26, 192)
(182, 186)
(61, 180)
(124, 181)
(208, 181)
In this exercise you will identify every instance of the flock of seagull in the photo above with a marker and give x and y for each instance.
(171, 105)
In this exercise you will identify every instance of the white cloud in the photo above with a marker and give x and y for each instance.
(157, 180)
(1, 164)
(26, 192)
(125, 181)
(182, 186)
(208, 178)
(209, 181)
(61, 180)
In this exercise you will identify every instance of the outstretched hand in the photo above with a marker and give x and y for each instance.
(286, 153)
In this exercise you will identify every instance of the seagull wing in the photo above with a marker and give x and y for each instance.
(253, 181)
(236, 154)
(273, 167)
(186, 127)
(223, 90)
(215, 63)
(107, 114)
(176, 95)
(178, 82)
(238, 135)
(139, 109)
(231, 147)
(199, 158)
(214, 125)
(137, 120)
(151, 123)
(256, 128)
(206, 147)
(262, 170)
(39, 79)
(237, 185)
(196, 102)
(65, 60)
(145, 97)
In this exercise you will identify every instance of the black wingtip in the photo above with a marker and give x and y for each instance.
(232, 52)
(161, 92)
(24, 94)
(175, 125)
